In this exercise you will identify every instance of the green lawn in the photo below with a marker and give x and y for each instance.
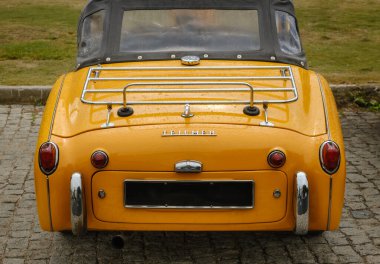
(342, 38)
(38, 39)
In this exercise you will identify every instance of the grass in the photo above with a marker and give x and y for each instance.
(342, 38)
(38, 39)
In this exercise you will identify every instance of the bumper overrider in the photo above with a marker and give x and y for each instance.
(78, 204)
(301, 203)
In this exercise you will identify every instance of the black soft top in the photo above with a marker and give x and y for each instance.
(114, 9)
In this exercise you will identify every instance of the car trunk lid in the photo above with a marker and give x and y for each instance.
(217, 93)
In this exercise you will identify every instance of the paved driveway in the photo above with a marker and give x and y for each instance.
(21, 240)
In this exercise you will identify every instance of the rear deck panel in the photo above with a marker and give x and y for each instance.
(304, 115)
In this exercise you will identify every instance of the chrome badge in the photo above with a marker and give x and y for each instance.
(190, 60)
(180, 133)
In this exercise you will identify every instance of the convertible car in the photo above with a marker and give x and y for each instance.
(190, 115)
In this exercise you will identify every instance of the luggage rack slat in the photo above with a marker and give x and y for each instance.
(158, 90)
(189, 78)
(215, 102)
(218, 84)
(192, 68)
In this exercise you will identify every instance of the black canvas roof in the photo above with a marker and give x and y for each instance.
(270, 50)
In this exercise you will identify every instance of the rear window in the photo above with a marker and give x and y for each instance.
(287, 33)
(91, 35)
(189, 30)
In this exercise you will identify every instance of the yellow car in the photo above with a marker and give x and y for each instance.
(190, 115)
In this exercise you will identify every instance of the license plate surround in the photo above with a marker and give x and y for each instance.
(208, 194)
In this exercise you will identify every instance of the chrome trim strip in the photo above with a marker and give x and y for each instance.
(49, 205)
(325, 108)
(301, 203)
(331, 179)
(55, 108)
(77, 205)
(48, 140)
(330, 203)
(193, 207)
(188, 166)
(329, 137)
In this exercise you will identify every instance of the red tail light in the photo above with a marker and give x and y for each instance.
(330, 157)
(276, 159)
(48, 157)
(99, 159)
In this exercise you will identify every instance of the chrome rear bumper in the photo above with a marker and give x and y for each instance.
(302, 204)
(78, 208)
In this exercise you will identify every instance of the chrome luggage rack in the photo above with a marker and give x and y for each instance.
(186, 84)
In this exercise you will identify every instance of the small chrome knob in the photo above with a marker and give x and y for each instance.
(277, 193)
(101, 194)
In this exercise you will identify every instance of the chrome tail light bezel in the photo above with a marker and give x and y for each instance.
(102, 152)
(321, 157)
(276, 152)
(48, 172)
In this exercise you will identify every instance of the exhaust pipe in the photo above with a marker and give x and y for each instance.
(117, 242)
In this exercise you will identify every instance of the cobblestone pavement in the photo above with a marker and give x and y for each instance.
(22, 241)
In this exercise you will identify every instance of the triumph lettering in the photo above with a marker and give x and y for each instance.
(173, 133)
